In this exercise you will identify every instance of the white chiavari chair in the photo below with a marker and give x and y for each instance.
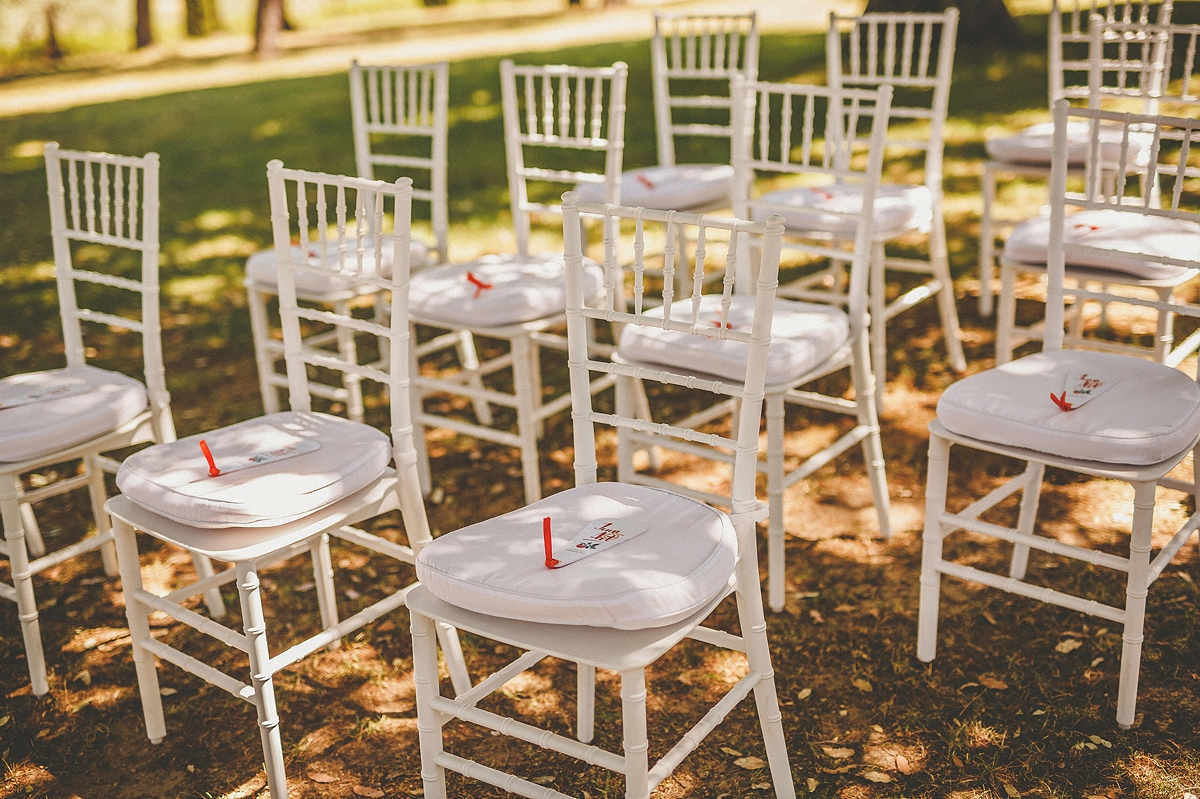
(260, 492)
(627, 604)
(1104, 415)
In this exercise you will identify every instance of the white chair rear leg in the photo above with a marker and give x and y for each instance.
(1006, 314)
(418, 409)
(468, 356)
(429, 721)
(323, 579)
(254, 626)
(1136, 588)
(987, 242)
(877, 304)
(643, 412)
(1164, 334)
(939, 260)
(535, 390)
(33, 533)
(22, 578)
(138, 616)
(931, 547)
(456, 664)
(1026, 518)
(776, 567)
(865, 385)
(585, 697)
(633, 729)
(526, 426)
(212, 597)
(625, 388)
(260, 329)
(99, 495)
(348, 350)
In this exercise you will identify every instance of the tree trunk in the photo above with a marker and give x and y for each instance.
(980, 22)
(143, 33)
(201, 18)
(268, 24)
(53, 50)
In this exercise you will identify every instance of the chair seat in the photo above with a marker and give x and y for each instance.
(275, 469)
(803, 336)
(1151, 413)
(260, 268)
(46, 412)
(835, 209)
(497, 290)
(679, 564)
(668, 188)
(1035, 144)
(1118, 231)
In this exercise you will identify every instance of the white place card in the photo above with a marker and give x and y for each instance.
(597, 536)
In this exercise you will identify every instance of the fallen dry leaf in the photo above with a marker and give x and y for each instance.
(862, 685)
(761, 786)
(750, 763)
(995, 685)
(84, 677)
(733, 752)
(902, 765)
(876, 776)
(167, 691)
(804, 693)
(812, 784)
(545, 779)
(845, 609)
(1011, 791)
(369, 793)
(841, 770)
(1068, 645)
(816, 616)
(956, 760)
(317, 776)
(838, 753)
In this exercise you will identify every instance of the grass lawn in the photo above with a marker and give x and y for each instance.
(1009, 707)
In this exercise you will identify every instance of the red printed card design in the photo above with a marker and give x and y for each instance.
(596, 537)
(1083, 387)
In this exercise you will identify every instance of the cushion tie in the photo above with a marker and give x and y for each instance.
(479, 285)
(757, 514)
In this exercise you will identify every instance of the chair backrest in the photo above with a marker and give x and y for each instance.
(403, 105)
(711, 235)
(1069, 38)
(1112, 183)
(334, 217)
(914, 54)
(109, 200)
(701, 53)
(778, 130)
(571, 110)
(1151, 63)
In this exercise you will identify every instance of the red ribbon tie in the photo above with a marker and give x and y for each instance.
(1062, 401)
(645, 181)
(479, 285)
(551, 561)
(213, 471)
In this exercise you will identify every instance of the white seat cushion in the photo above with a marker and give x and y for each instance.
(497, 567)
(803, 336)
(515, 289)
(261, 268)
(668, 188)
(1118, 231)
(1151, 413)
(46, 412)
(1035, 144)
(173, 479)
(836, 208)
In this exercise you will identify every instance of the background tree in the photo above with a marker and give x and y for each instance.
(980, 22)
(143, 33)
(268, 22)
(201, 17)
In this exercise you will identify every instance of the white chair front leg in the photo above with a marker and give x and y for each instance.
(633, 730)
(939, 261)
(418, 409)
(865, 386)
(429, 721)
(776, 567)
(931, 547)
(877, 305)
(523, 387)
(137, 615)
(585, 697)
(22, 578)
(468, 357)
(1136, 588)
(261, 679)
(260, 329)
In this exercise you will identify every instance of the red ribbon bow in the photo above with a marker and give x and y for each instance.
(1062, 401)
(645, 181)
(551, 561)
(717, 323)
(213, 471)
(1086, 228)
(478, 284)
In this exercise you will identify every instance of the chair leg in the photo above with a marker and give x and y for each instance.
(987, 242)
(138, 617)
(33, 533)
(468, 356)
(323, 579)
(931, 547)
(776, 567)
(939, 261)
(429, 721)
(585, 697)
(535, 393)
(1135, 602)
(212, 597)
(456, 664)
(1034, 472)
(1006, 314)
(254, 626)
(99, 495)
(526, 426)
(22, 578)
(260, 329)
(625, 388)
(1164, 339)
(633, 731)
(418, 409)
(348, 351)
(865, 385)
(877, 305)
(643, 411)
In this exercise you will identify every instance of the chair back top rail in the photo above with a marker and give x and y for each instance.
(112, 200)
(708, 233)
(555, 109)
